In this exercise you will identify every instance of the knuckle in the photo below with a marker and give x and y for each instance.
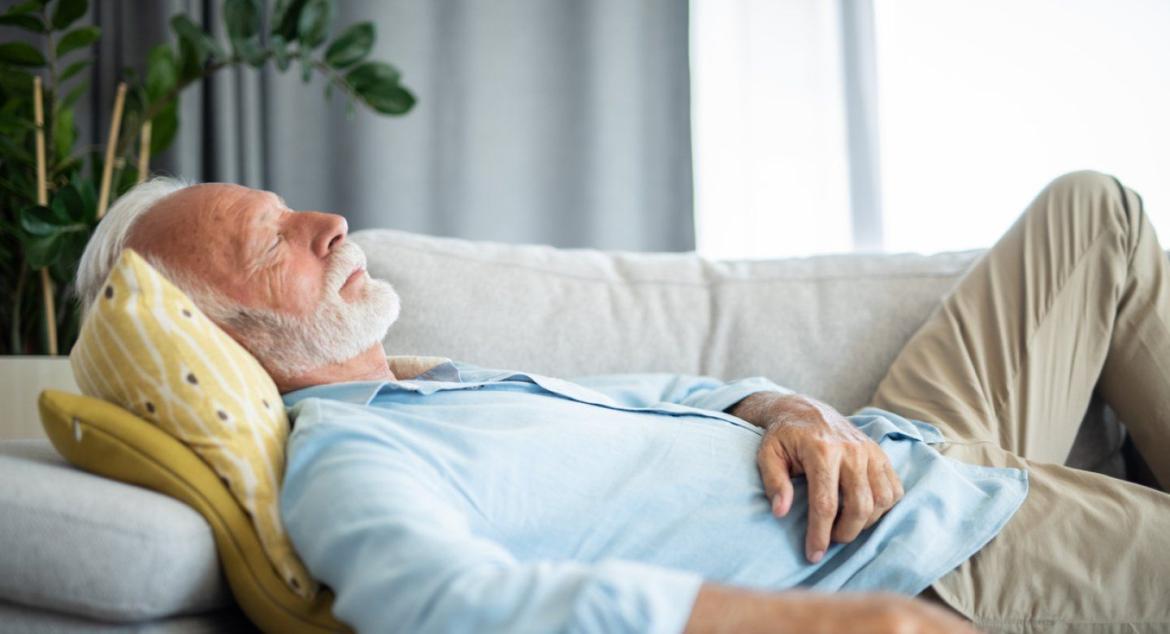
(825, 449)
(823, 505)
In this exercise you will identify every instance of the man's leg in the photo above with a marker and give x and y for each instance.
(1085, 553)
(1076, 294)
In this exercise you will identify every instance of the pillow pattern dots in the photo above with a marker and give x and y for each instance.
(145, 347)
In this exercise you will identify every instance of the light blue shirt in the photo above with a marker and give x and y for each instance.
(476, 500)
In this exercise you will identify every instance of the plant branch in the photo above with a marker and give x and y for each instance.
(336, 77)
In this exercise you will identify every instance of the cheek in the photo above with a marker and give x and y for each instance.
(304, 287)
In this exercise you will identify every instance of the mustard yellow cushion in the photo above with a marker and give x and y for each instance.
(107, 440)
(145, 347)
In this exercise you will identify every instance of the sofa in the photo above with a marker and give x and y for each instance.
(81, 553)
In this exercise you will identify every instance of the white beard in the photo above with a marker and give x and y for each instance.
(335, 332)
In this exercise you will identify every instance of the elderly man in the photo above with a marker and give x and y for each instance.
(467, 499)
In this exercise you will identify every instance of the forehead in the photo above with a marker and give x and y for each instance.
(205, 228)
(211, 208)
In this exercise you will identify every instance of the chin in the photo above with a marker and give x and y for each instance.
(375, 312)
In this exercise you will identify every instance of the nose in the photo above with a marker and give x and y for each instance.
(329, 231)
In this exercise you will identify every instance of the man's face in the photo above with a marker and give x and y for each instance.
(303, 295)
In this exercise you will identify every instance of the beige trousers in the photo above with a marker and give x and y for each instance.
(1075, 296)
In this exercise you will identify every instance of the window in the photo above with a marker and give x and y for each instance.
(979, 104)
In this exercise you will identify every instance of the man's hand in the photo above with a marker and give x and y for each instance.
(851, 483)
(720, 609)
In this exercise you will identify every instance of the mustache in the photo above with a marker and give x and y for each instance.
(342, 263)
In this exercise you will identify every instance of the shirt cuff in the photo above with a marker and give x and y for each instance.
(628, 596)
(721, 398)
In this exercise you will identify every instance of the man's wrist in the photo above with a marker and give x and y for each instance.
(762, 408)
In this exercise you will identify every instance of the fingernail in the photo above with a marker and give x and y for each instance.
(776, 505)
(816, 557)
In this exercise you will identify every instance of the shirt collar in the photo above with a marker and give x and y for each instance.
(406, 369)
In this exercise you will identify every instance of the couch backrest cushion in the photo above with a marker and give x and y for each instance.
(827, 326)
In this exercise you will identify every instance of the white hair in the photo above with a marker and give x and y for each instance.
(288, 345)
(109, 238)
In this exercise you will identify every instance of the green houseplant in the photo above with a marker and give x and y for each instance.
(42, 235)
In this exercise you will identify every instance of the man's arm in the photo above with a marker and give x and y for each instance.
(851, 482)
(719, 609)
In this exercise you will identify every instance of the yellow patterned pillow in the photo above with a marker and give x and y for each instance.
(145, 347)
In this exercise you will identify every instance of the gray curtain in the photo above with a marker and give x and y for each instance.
(552, 121)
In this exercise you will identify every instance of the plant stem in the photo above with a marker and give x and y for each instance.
(336, 77)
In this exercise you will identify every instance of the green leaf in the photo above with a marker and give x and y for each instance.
(388, 99)
(67, 11)
(306, 65)
(13, 150)
(242, 18)
(73, 202)
(126, 179)
(74, 94)
(372, 73)
(286, 16)
(25, 7)
(13, 124)
(85, 190)
(74, 68)
(351, 46)
(78, 38)
(191, 61)
(42, 251)
(16, 83)
(21, 54)
(161, 74)
(201, 42)
(280, 52)
(252, 53)
(377, 83)
(64, 133)
(163, 128)
(23, 21)
(38, 221)
(60, 214)
(314, 21)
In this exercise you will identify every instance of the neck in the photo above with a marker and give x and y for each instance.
(370, 365)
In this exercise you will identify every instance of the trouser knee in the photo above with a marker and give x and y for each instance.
(1097, 201)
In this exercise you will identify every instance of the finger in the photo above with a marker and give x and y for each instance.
(856, 496)
(822, 473)
(774, 472)
(883, 491)
(895, 483)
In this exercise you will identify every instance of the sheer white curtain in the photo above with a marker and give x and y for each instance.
(768, 128)
(976, 106)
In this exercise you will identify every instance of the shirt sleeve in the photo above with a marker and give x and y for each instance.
(702, 392)
(392, 541)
